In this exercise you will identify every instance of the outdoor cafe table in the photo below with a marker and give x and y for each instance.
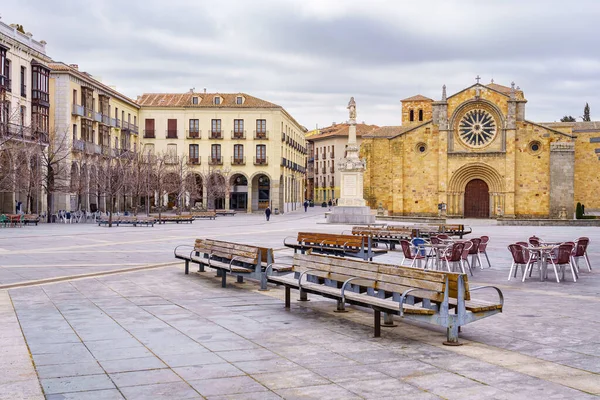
(543, 253)
(437, 250)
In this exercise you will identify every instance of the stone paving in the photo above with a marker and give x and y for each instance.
(158, 334)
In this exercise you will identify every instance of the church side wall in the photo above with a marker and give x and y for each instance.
(420, 172)
(532, 188)
(587, 165)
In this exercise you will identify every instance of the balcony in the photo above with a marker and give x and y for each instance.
(105, 120)
(192, 134)
(261, 161)
(5, 83)
(97, 116)
(88, 113)
(134, 128)
(215, 161)
(171, 159)
(171, 133)
(78, 110)
(106, 151)
(238, 134)
(283, 136)
(149, 134)
(127, 126)
(238, 160)
(78, 145)
(117, 123)
(261, 135)
(216, 135)
(317, 156)
(283, 162)
(194, 160)
(90, 148)
(331, 169)
(323, 170)
(332, 155)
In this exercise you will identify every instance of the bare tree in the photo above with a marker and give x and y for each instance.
(158, 172)
(53, 166)
(217, 185)
(111, 179)
(176, 181)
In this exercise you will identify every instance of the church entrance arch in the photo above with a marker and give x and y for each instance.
(476, 190)
(477, 199)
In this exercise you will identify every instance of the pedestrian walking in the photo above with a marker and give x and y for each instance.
(268, 213)
(330, 204)
(305, 205)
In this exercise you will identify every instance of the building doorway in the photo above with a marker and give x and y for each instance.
(477, 199)
(239, 193)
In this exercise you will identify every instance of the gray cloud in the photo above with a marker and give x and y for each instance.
(310, 56)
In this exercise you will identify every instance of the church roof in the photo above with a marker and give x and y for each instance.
(587, 126)
(418, 97)
(499, 88)
(341, 130)
(390, 132)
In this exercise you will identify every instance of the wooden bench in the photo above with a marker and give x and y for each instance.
(390, 236)
(439, 298)
(174, 218)
(454, 230)
(204, 214)
(237, 259)
(132, 220)
(225, 212)
(31, 219)
(340, 245)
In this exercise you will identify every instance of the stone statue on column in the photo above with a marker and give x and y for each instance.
(351, 207)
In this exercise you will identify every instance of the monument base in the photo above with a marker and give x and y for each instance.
(351, 215)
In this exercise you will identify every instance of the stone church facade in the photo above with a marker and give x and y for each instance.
(476, 153)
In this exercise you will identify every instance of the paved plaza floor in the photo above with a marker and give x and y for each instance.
(155, 333)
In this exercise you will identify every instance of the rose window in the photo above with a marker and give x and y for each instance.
(477, 128)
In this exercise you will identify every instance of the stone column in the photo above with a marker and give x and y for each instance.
(204, 196)
(249, 199)
(562, 178)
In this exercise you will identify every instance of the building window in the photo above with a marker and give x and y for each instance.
(6, 75)
(23, 83)
(238, 128)
(75, 97)
(40, 118)
(149, 132)
(238, 154)
(171, 153)
(261, 126)
(215, 153)
(40, 81)
(194, 131)
(74, 132)
(194, 154)
(420, 115)
(216, 128)
(217, 100)
(261, 154)
(195, 100)
(411, 115)
(421, 148)
(3, 72)
(239, 100)
(171, 129)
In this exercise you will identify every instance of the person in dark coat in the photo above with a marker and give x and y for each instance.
(305, 205)
(268, 213)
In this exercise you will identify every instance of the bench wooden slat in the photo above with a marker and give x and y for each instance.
(389, 304)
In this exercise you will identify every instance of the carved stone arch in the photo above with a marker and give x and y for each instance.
(235, 173)
(254, 175)
(475, 171)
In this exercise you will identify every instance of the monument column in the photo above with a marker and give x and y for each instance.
(351, 207)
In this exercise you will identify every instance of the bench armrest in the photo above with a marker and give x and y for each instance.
(232, 260)
(302, 274)
(270, 268)
(347, 282)
(500, 295)
(181, 245)
(287, 237)
(403, 297)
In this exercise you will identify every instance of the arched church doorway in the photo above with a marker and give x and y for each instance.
(477, 199)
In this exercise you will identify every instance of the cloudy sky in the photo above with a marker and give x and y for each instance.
(310, 56)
